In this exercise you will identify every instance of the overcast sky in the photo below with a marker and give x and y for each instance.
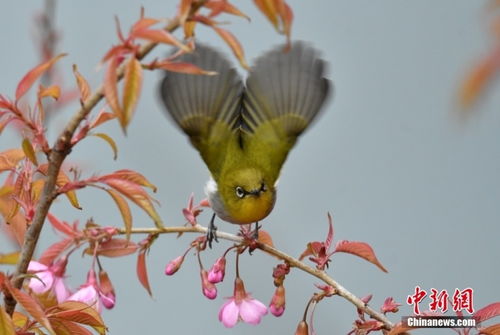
(387, 158)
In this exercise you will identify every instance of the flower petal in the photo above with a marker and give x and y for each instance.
(34, 266)
(252, 310)
(43, 284)
(62, 292)
(228, 313)
(88, 295)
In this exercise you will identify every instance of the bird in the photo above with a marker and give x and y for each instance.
(244, 130)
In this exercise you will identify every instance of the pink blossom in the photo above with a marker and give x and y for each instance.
(208, 288)
(50, 278)
(277, 305)
(241, 306)
(174, 265)
(90, 294)
(218, 270)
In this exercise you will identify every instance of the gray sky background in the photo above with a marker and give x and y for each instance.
(387, 158)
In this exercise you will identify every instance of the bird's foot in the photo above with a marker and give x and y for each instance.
(212, 232)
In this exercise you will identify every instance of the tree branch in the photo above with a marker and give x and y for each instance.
(321, 275)
(56, 157)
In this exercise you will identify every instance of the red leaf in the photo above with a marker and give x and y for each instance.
(54, 251)
(31, 306)
(143, 23)
(63, 327)
(102, 117)
(129, 175)
(82, 84)
(400, 328)
(62, 180)
(131, 90)
(111, 89)
(360, 249)
(6, 323)
(124, 210)
(10, 158)
(142, 272)
(228, 37)
(115, 247)
(313, 248)
(53, 91)
(182, 67)
(265, 238)
(491, 330)
(329, 236)
(79, 312)
(487, 312)
(160, 36)
(110, 141)
(218, 6)
(268, 8)
(184, 9)
(28, 80)
(62, 226)
(390, 306)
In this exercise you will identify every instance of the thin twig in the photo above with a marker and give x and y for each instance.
(322, 275)
(58, 153)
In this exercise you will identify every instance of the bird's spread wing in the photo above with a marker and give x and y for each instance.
(284, 93)
(206, 108)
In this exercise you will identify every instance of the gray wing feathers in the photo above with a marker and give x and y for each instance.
(287, 87)
(195, 102)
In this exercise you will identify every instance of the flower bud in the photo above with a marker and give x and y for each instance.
(218, 270)
(277, 305)
(208, 288)
(107, 292)
(302, 328)
(174, 265)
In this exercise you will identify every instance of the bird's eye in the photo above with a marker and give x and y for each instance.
(240, 192)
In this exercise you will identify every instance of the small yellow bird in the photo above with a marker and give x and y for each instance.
(244, 132)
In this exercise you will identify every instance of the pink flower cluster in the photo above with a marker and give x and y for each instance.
(50, 278)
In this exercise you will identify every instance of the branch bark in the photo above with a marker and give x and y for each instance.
(58, 153)
(321, 275)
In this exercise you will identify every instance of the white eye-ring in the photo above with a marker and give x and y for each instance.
(240, 192)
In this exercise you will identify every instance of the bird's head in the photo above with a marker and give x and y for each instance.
(246, 196)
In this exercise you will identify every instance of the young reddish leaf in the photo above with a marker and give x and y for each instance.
(218, 6)
(184, 10)
(129, 175)
(286, 15)
(111, 89)
(476, 81)
(143, 23)
(29, 151)
(6, 323)
(10, 158)
(101, 118)
(79, 312)
(491, 330)
(63, 327)
(10, 258)
(160, 36)
(265, 238)
(62, 226)
(487, 312)
(110, 141)
(137, 195)
(31, 306)
(313, 248)
(182, 67)
(4, 123)
(390, 306)
(131, 90)
(360, 249)
(124, 210)
(233, 43)
(268, 8)
(52, 252)
(82, 84)
(329, 236)
(142, 272)
(28, 80)
(400, 328)
(189, 27)
(53, 91)
(115, 247)
(62, 180)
